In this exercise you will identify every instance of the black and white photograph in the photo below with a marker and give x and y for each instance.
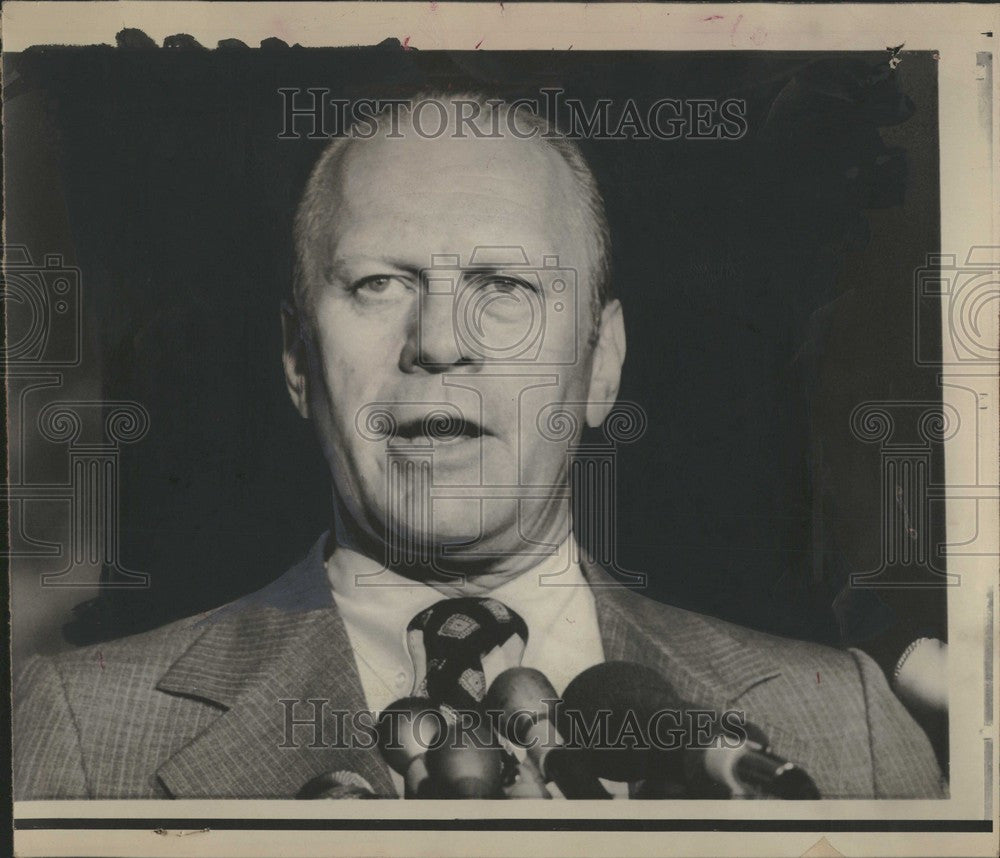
(464, 403)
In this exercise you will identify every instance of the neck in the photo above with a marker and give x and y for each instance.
(456, 574)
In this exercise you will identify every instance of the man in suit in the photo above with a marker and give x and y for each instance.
(452, 298)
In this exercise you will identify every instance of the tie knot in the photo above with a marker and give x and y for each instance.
(457, 645)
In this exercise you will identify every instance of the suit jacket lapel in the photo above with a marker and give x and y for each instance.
(694, 652)
(707, 661)
(284, 643)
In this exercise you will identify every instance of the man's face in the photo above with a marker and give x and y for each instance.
(454, 279)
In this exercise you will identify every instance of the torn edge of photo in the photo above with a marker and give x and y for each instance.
(445, 404)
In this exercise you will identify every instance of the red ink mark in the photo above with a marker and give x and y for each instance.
(714, 18)
(406, 43)
(758, 36)
(817, 677)
(478, 44)
(732, 32)
(100, 659)
(434, 6)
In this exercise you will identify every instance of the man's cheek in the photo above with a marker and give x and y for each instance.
(546, 426)
(563, 341)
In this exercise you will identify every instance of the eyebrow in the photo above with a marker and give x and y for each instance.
(343, 267)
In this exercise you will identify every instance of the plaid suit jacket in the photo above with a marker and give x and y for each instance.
(194, 709)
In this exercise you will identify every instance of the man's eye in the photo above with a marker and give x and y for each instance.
(505, 284)
(503, 299)
(379, 286)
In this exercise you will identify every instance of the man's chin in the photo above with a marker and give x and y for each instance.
(460, 529)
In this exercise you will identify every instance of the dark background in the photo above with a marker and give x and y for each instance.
(767, 285)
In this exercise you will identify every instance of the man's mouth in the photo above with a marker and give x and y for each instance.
(434, 429)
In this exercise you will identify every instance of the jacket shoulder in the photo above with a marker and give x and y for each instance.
(830, 709)
(153, 648)
(729, 658)
(91, 721)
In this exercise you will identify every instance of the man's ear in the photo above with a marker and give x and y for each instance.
(606, 368)
(294, 358)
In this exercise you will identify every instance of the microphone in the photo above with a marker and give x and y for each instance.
(750, 765)
(920, 676)
(523, 696)
(626, 698)
(920, 680)
(337, 785)
(468, 764)
(527, 781)
(405, 733)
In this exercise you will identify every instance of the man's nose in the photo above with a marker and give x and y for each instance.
(432, 343)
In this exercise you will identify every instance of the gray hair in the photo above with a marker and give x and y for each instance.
(315, 208)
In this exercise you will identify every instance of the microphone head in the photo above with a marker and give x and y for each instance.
(524, 696)
(643, 733)
(610, 682)
(612, 704)
(793, 783)
(468, 764)
(406, 729)
(337, 785)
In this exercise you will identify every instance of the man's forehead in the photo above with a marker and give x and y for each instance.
(501, 153)
(522, 169)
(469, 192)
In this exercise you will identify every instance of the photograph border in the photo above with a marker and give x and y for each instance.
(964, 37)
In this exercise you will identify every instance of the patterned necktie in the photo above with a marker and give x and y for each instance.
(451, 641)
